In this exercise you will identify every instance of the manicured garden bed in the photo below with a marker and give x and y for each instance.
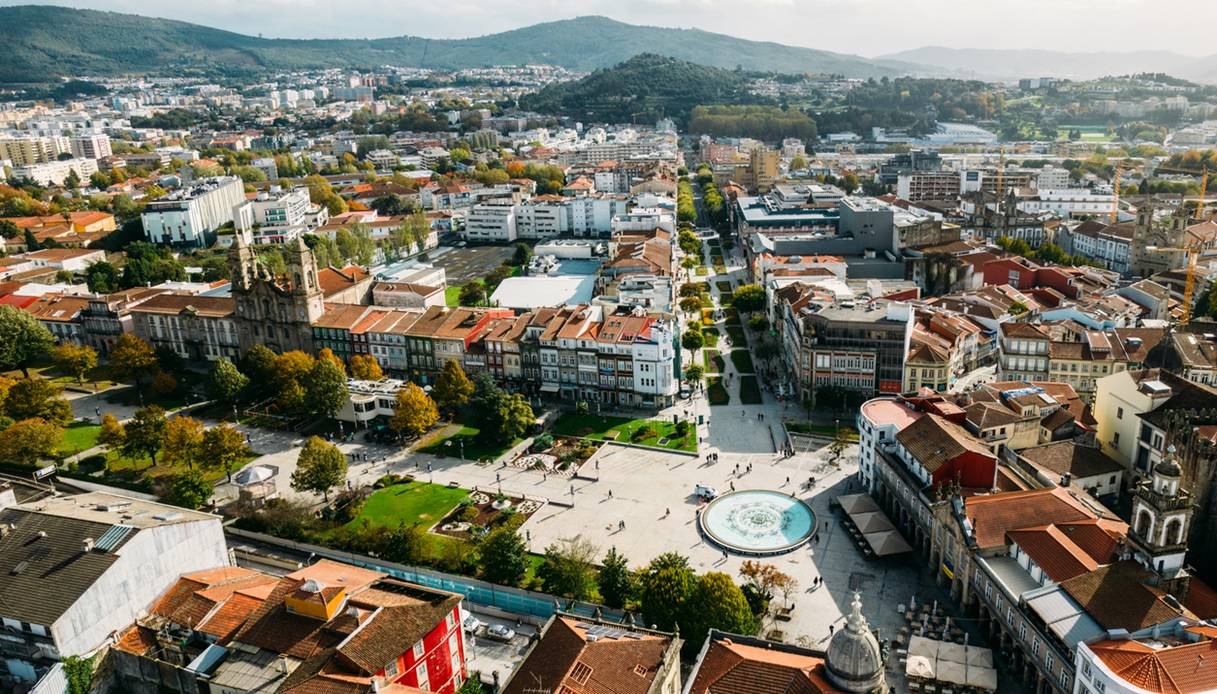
(714, 361)
(642, 432)
(742, 360)
(723, 285)
(474, 447)
(409, 503)
(482, 511)
(716, 392)
(749, 390)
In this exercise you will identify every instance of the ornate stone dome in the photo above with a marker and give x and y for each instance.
(855, 661)
(1169, 467)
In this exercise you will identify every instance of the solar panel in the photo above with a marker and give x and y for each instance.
(112, 537)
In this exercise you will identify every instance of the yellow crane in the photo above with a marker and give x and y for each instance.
(1115, 194)
(1204, 186)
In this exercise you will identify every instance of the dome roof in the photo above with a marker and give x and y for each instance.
(253, 475)
(855, 661)
(1169, 467)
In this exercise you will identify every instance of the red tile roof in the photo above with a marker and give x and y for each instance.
(566, 660)
(1186, 669)
(736, 668)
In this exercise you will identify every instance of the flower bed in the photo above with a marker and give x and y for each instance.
(482, 511)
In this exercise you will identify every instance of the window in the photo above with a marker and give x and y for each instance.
(1035, 647)
(418, 650)
(1048, 661)
(391, 669)
(1100, 686)
(449, 621)
(1022, 631)
(1064, 680)
(421, 674)
(1086, 669)
(1119, 413)
(1115, 439)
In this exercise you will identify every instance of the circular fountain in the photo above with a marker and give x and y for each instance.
(758, 522)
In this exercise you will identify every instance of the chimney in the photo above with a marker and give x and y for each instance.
(87, 545)
(283, 668)
(1066, 479)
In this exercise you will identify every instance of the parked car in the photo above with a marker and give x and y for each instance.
(704, 492)
(470, 623)
(498, 632)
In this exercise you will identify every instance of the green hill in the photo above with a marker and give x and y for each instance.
(642, 89)
(42, 42)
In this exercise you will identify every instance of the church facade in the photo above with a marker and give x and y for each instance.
(277, 312)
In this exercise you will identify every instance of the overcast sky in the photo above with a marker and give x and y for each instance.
(866, 27)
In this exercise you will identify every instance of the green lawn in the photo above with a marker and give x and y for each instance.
(736, 334)
(702, 271)
(749, 390)
(78, 437)
(821, 430)
(725, 299)
(409, 502)
(723, 285)
(474, 448)
(742, 360)
(714, 361)
(602, 428)
(452, 297)
(716, 392)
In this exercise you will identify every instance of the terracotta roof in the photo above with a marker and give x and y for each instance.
(994, 515)
(934, 442)
(173, 304)
(332, 280)
(1067, 457)
(1053, 552)
(1118, 596)
(1185, 669)
(986, 415)
(566, 660)
(738, 668)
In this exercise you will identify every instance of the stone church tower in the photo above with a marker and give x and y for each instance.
(277, 312)
(1161, 518)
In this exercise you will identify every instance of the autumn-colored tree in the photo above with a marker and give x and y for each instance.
(183, 441)
(415, 412)
(224, 448)
(77, 360)
(164, 384)
(291, 367)
(328, 354)
(112, 434)
(452, 388)
(28, 440)
(131, 357)
(37, 398)
(320, 467)
(365, 368)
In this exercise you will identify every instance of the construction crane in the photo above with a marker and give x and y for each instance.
(1189, 281)
(998, 193)
(1204, 186)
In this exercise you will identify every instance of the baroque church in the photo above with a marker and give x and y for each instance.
(279, 311)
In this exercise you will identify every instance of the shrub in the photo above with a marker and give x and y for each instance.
(644, 432)
(542, 442)
(682, 427)
(386, 481)
(468, 514)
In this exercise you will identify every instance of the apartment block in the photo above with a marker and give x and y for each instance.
(192, 215)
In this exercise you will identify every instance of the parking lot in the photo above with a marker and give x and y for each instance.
(471, 262)
(488, 656)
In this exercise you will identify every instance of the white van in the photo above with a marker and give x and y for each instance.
(704, 492)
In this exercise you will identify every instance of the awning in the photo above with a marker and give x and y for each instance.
(952, 652)
(886, 543)
(982, 678)
(980, 657)
(871, 522)
(919, 666)
(549, 387)
(951, 672)
(920, 645)
(857, 503)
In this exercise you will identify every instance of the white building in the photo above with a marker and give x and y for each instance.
(190, 216)
(1119, 399)
(74, 570)
(1052, 178)
(278, 215)
(367, 400)
(879, 420)
(645, 219)
(54, 173)
(1068, 202)
(491, 223)
(91, 146)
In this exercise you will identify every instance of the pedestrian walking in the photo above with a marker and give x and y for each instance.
(610, 493)
(787, 480)
(667, 512)
(732, 486)
(831, 629)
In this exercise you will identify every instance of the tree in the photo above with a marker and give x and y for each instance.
(145, 432)
(568, 569)
(405, 544)
(102, 277)
(325, 388)
(522, 255)
(79, 673)
(22, 339)
(503, 556)
(414, 413)
(164, 383)
(664, 587)
(694, 373)
(183, 441)
(259, 364)
(223, 447)
(691, 304)
(748, 298)
(473, 293)
(715, 603)
(225, 382)
(328, 354)
(76, 360)
(452, 388)
(112, 434)
(508, 419)
(188, 489)
(849, 182)
(692, 340)
(37, 397)
(365, 368)
(320, 468)
(28, 440)
(131, 357)
(615, 580)
(798, 163)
